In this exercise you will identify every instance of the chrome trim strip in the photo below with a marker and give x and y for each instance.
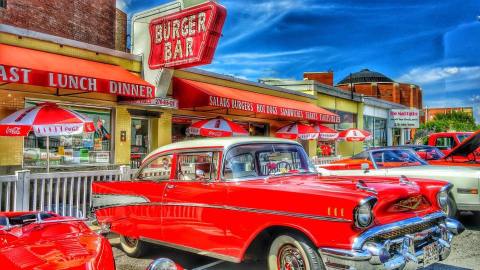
(102, 200)
(361, 239)
(192, 250)
(237, 208)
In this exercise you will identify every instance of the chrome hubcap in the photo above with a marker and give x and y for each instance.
(290, 258)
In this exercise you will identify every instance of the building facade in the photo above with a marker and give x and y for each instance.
(374, 84)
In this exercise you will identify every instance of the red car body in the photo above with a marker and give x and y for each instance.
(446, 141)
(46, 241)
(223, 218)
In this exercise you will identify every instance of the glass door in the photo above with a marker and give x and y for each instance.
(140, 142)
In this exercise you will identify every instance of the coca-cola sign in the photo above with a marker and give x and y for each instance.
(186, 38)
(13, 131)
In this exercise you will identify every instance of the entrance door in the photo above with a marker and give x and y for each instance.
(140, 143)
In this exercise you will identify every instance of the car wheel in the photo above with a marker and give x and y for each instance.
(292, 252)
(133, 247)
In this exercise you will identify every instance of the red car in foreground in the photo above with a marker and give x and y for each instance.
(46, 241)
(236, 198)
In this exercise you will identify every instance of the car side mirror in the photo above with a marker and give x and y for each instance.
(164, 263)
(365, 167)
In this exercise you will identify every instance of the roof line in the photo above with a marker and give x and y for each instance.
(65, 41)
(251, 83)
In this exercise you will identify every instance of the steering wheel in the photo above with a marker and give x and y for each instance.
(283, 165)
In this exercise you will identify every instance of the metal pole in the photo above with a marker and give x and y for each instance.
(48, 154)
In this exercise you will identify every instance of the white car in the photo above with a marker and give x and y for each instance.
(464, 195)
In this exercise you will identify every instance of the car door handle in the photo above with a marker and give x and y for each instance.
(170, 186)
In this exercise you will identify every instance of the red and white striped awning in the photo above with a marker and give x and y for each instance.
(217, 127)
(46, 119)
(297, 131)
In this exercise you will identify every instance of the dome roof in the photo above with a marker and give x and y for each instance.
(365, 76)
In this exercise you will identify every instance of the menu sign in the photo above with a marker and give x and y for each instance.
(404, 118)
(186, 38)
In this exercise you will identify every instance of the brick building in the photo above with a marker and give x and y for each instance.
(375, 84)
(92, 22)
(429, 113)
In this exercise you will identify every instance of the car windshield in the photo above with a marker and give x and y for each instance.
(430, 153)
(251, 161)
(463, 136)
(391, 158)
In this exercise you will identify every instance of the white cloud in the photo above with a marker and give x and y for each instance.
(123, 4)
(428, 75)
(256, 55)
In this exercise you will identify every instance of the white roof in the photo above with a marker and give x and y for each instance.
(217, 142)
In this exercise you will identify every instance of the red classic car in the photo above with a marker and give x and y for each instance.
(446, 141)
(46, 241)
(464, 154)
(235, 198)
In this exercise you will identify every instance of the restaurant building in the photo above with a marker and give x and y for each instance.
(106, 85)
(355, 111)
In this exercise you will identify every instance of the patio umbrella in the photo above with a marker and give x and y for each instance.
(354, 135)
(46, 119)
(325, 133)
(297, 131)
(216, 127)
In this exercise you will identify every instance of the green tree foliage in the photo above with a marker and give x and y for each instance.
(452, 121)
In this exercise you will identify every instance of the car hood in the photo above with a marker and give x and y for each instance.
(468, 146)
(432, 170)
(61, 245)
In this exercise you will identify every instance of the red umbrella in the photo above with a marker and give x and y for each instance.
(46, 119)
(217, 127)
(325, 133)
(297, 131)
(354, 135)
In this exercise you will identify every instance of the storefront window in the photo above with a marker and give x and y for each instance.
(140, 141)
(258, 129)
(72, 150)
(347, 120)
(378, 128)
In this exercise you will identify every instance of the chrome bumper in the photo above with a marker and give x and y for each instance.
(404, 252)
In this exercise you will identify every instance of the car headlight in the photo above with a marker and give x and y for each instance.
(442, 196)
(363, 213)
(163, 264)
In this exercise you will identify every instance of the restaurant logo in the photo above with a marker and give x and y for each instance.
(186, 38)
(12, 131)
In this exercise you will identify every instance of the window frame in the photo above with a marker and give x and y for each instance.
(81, 108)
(3, 4)
(144, 166)
(213, 179)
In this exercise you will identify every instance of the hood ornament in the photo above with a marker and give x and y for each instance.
(404, 180)
(362, 186)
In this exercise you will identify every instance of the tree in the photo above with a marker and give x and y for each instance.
(452, 121)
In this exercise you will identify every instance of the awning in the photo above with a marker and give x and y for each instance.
(208, 97)
(27, 66)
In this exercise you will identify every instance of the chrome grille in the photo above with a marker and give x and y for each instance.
(406, 230)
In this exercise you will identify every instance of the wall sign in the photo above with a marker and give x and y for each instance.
(404, 118)
(186, 38)
(168, 103)
(12, 74)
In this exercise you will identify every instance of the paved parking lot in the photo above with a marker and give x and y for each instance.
(465, 254)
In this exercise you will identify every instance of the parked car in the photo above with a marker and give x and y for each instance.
(44, 240)
(230, 197)
(398, 162)
(446, 141)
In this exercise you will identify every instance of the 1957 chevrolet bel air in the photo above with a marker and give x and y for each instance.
(237, 197)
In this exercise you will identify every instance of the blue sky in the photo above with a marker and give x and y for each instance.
(435, 44)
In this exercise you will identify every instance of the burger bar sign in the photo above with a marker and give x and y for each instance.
(186, 38)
